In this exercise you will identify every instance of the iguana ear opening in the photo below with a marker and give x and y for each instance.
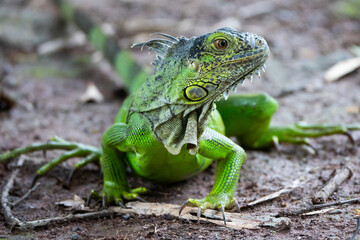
(195, 66)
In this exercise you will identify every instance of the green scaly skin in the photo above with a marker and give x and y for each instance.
(167, 121)
(168, 128)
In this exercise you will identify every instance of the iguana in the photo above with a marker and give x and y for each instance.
(172, 125)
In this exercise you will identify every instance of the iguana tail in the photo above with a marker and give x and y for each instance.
(126, 67)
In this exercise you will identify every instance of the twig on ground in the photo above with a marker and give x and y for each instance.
(298, 182)
(70, 217)
(344, 174)
(6, 206)
(53, 46)
(25, 195)
(14, 222)
(316, 207)
(11, 220)
(357, 229)
(233, 220)
(321, 211)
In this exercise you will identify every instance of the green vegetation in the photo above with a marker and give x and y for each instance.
(349, 9)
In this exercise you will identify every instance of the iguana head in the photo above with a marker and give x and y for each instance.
(191, 74)
(204, 68)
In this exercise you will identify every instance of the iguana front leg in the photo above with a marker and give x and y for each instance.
(114, 146)
(230, 157)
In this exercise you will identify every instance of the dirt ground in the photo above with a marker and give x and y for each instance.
(39, 98)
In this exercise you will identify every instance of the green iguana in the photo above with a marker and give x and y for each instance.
(169, 128)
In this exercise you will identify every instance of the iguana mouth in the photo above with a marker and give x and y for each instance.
(249, 59)
(249, 76)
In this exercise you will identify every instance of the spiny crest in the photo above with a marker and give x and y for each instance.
(159, 45)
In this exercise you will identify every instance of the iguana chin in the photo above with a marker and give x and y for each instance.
(169, 128)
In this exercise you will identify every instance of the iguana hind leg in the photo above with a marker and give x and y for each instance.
(90, 154)
(248, 118)
(299, 133)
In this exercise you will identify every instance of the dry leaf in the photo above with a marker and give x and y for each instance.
(92, 94)
(73, 204)
(357, 211)
(352, 109)
(342, 68)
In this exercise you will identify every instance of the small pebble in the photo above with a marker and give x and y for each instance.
(169, 217)
(127, 216)
(335, 211)
(75, 237)
(76, 228)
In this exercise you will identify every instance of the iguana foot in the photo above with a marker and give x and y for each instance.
(90, 154)
(113, 193)
(300, 133)
(211, 202)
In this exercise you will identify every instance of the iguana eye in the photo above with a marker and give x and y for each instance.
(195, 93)
(221, 44)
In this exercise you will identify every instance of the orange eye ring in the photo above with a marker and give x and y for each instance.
(221, 43)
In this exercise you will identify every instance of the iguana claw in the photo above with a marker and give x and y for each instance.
(223, 213)
(105, 199)
(68, 180)
(199, 215)
(90, 158)
(104, 202)
(310, 145)
(237, 205)
(33, 181)
(122, 205)
(93, 195)
(350, 136)
(209, 204)
(109, 195)
(140, 199)
(183, 205)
